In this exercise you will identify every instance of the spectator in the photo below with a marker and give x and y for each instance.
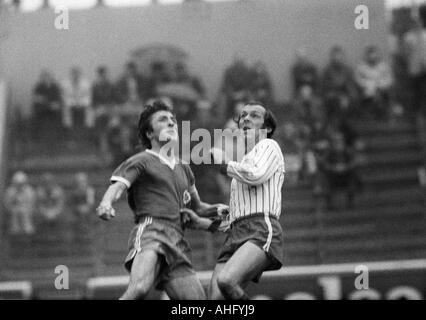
(290, 137)
(340, 164)
(236, 84)
(191, 98)
(260, 86)
(307, 106)
(317, 149)
(182, 76)
(338, 84)
(20, 202)
(51, 200)
(132, 87)
(77, 100)
(46, 106)
(82, 201)
(304, 73)
(103, 103)
(415, 43)
(118, 142)
(374, 78)
(159, 76)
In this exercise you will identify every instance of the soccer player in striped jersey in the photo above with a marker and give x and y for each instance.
(158, 187)
(254, 239)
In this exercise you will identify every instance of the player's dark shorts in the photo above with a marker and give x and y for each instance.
(265, 232)
(165, 239)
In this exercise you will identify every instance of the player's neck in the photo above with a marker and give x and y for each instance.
(250, 143)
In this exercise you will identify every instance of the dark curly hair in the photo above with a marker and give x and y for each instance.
(269, 118)
(145, 125)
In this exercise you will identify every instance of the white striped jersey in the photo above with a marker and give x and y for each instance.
(257, 181)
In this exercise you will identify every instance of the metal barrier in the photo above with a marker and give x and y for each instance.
(16, 290)
(365, 280)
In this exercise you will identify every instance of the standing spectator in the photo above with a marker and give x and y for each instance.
(338, 84)
(130, 89)
(20, 203)
(374, 78)
(46, 106)
(51, 200)
(415, 42)
(77, 101)
(82, 201)
(304, 73)
(236, 84)
(103, 103)
(261, 86)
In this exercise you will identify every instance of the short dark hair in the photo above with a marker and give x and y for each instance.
(145, 125)
(422, 15)
(269, 120)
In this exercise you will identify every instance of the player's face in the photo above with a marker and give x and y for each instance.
(164, 127)
(251, 120)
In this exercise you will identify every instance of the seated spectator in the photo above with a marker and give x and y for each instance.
(81, 202)
(184, 77)
(20, 202)
(340, 165)
(307, 106)
(290, 137)
(374, 78)
(338, 86)
(77, 109)
(304, 73)
(158, 77)
(261, 86)
(415, 46)
(46, 106)
(317, 147)
(189, 96)
(103, 103)
(50, 200)
(119, 138)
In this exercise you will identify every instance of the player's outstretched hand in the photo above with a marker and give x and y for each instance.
(105, 211)
(222, 209)
(191, 220)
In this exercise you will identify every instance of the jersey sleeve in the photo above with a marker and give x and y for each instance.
(128, 171)
(261, 167)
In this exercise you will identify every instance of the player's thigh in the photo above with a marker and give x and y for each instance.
(185, 288)
(145, 269)
(214, 292)
(246, 263)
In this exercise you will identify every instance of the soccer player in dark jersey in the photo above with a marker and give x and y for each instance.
(158, 187)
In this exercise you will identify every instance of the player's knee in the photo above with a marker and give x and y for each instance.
(225, 282)
(139, 289)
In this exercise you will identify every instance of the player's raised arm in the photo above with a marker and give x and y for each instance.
(105, 210)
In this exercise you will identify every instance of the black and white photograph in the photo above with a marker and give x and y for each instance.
(212, 150)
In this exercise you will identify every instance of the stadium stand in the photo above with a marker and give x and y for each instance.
(387, 223)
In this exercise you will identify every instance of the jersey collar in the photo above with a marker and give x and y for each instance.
(169, 162)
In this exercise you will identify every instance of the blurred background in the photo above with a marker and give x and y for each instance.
(346, 83)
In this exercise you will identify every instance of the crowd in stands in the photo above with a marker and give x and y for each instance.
(104, 110)
(316, 124)
(40, 205)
